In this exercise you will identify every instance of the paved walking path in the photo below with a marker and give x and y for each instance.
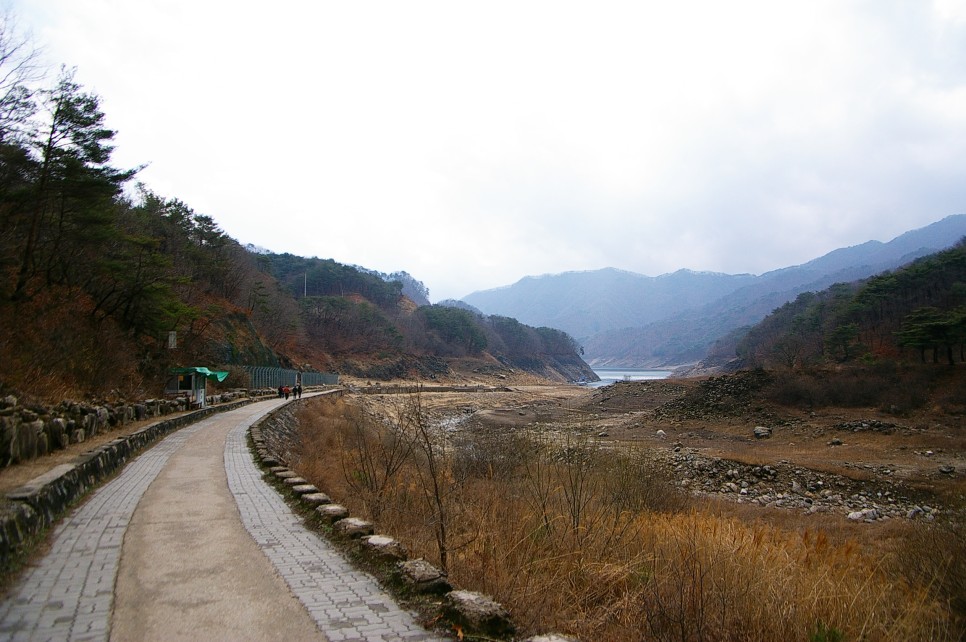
(189, 543)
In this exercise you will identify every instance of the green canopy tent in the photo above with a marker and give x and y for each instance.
(194, 383)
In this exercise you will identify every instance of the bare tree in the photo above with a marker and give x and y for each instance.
(374, 455)
(433, 473)
(19, 68)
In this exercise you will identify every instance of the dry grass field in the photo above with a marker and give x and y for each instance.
(568, 506)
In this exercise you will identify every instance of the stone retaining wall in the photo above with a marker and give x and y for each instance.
(30, 431)
(281, 432)
(35, 505)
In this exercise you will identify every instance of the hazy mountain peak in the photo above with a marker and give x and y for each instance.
(679, 314)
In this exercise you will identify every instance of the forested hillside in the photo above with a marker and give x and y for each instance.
(917, 313)
(105, 286)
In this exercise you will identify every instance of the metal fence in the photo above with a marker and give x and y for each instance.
(264, 377)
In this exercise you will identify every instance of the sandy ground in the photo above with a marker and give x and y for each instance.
(912, 449)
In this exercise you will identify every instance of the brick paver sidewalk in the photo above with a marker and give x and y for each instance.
(69, 593)
(346, 603)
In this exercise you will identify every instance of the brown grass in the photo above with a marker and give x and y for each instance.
(572, 538)
(61, 353)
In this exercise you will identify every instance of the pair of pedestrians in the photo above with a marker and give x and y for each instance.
(285, 391)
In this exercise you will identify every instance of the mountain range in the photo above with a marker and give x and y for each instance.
(622, 318)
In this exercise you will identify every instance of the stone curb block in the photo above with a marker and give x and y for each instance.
(423, 577)
(475, 612)
(478, 613)
(385, 547)
(332, 512)
(353, 527)
(315, 499)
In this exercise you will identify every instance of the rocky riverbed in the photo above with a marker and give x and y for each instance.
(785, 485)
(718, 437)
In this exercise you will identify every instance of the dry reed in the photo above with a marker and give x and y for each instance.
(572, 538)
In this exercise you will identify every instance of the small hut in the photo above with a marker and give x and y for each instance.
(193, 383)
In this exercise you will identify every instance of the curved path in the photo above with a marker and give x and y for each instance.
(189, 543)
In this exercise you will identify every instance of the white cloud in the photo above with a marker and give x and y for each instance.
(473, 144)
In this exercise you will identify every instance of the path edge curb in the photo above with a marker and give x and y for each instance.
(475, 613)
(37, 504)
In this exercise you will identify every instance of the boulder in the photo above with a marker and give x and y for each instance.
(57, 429)
(424, 577)
(762, 432)
(332, 512)
(103, 419)
(864, 515)
(316, 498)
(385, 547)
(353, 527)
(23, 442)
(478, 614)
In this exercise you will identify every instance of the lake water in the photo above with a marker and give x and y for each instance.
(611, 375)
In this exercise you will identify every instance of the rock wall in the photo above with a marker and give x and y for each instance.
(35, 505)
(280, 432)
(555, 367)
(29, 431)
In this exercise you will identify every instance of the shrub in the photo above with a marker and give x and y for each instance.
(934, 555)
(891, 388)
(573, 537)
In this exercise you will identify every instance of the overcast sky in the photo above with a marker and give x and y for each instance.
(472, 144)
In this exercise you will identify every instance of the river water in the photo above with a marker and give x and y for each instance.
(611, 375)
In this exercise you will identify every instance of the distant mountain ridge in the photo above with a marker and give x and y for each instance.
(587, 303)
(913, 314)
(626, 319)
